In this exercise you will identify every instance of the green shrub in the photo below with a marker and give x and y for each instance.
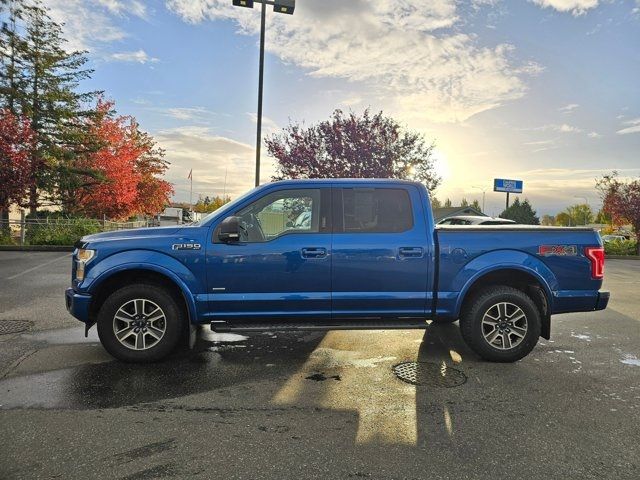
(621, 247)
(60, 232)
(6, 238)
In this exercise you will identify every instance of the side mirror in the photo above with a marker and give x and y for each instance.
(229, 230)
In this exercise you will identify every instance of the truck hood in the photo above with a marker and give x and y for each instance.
(132, 233)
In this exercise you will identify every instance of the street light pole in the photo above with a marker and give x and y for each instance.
(263, 18)
(484, 190)
(279, 6)
(586, 202)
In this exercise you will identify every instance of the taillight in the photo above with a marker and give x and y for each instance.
(596, 257)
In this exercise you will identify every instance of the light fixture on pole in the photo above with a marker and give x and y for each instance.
(279, 6)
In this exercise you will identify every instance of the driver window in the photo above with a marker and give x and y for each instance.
(277, 213)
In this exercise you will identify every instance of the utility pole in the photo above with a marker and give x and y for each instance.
(263, 19)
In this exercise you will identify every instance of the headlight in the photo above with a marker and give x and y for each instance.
(83, 256)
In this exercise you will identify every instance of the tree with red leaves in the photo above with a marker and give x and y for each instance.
(122, 174)
(153, 192)
(16, 143)
(621, 200)
(352, 146)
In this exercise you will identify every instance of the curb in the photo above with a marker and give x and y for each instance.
(622, 257)
(36, 248)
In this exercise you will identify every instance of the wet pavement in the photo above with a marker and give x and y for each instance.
(326, 405)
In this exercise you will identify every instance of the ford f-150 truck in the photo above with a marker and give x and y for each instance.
(327, 255)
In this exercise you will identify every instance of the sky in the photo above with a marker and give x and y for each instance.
(546, 91)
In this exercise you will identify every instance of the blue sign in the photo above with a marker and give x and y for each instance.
(504, 185)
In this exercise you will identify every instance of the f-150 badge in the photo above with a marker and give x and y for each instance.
(186, 246)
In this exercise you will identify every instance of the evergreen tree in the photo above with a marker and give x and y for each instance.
(42, 85)
(476, 204)
(12, 81)
(521, 212)
(464, 202)
(447, 203)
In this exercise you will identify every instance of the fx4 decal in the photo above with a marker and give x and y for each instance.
(561, 250)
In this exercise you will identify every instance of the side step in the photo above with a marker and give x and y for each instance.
(221, 326)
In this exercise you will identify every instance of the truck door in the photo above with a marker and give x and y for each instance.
(281, 267)
(380, 253)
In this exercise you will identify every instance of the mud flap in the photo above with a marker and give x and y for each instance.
(545, 317)
(193, 335)
(87, 327)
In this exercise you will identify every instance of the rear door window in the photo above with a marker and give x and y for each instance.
(375, 210)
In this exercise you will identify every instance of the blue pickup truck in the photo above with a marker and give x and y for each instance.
(327, 255)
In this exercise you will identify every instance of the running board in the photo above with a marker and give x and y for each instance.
(221, 326)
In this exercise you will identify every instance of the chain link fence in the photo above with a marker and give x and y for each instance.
(58, 231)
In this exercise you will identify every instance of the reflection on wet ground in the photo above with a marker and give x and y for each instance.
(272, 397)
(218, 360)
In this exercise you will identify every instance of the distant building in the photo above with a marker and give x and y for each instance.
(446, 212)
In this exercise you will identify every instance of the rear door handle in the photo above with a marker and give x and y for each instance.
(411, 252)
(313, 252)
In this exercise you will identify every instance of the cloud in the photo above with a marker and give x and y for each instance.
(594, 135)
(210, 156)
(576, 7)
(554, 127)
(540, 142)
(568, 108)
(120, 7)
(90, 23)
(199, 115)
(633, 127)
(139, 56)
(268, 125)
(410, 53)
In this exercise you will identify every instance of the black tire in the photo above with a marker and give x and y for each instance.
(174, 323)
(486, 301)
(443, 321)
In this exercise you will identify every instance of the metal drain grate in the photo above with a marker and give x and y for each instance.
(429, 374)
(13, 326)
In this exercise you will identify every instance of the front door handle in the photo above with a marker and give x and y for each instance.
(410, 252)
(313, 252)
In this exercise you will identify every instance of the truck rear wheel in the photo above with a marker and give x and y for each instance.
(501, 324)
(140, 323)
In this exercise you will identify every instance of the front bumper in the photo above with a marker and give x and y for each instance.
(78, 304)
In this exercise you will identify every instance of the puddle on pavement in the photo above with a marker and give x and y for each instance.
(63, 336)
(116, 384)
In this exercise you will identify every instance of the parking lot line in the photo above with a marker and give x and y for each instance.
(29, 270)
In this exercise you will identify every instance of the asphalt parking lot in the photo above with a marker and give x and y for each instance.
(315, 405)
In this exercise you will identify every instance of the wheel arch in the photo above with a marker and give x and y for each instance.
(117, 277)
(518, 276)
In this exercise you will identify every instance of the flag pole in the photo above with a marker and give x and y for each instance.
(191, 191)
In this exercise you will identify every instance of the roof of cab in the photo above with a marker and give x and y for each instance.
(345, 180)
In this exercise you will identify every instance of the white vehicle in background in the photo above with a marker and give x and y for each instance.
(475, 220)
(170, 216)
(613, 238)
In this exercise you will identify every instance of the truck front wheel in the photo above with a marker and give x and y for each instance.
(501, 324)
(140, 323)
